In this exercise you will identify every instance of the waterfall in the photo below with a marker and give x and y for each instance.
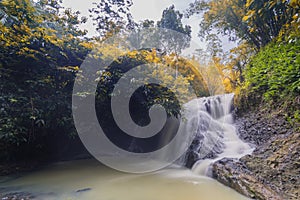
(205, 133)
(216, 135)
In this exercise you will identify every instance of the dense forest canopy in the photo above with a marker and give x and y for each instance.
(42, 48)
(257, 22)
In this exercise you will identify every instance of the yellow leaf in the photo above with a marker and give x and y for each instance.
(295, 3)
(295, 17)
(245, 18)
(249, 2)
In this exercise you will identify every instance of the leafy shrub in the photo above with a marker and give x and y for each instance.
(275, 71)
(273, 77)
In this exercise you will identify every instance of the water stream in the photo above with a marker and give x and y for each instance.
(219, 139)
(88, 179)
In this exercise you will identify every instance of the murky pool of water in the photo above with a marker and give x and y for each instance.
(88, 179)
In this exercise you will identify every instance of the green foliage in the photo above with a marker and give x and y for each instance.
(273, 76)
(41, 49)
(175, 86)
(36, 43)
(256, 21)
(275, 71)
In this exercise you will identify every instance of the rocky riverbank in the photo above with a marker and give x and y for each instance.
(17, 196)
(273, 170)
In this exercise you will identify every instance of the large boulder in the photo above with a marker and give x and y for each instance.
(271, 172)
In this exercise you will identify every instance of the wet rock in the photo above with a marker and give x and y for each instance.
(277, 162)
(235, 175)
(273, 169)
(17, 196)
(192, 155)
(259, 126)
(83, 190)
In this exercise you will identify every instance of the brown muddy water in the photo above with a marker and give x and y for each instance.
(88, 179)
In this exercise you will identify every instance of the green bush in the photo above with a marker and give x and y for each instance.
(275, 72)
(273, 78)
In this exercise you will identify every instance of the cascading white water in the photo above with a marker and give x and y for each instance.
(216, 136)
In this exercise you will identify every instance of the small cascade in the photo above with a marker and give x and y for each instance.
(216, 136)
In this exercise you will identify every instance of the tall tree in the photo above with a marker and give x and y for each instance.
(111, 16)
(255, 21)
(172, 42)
